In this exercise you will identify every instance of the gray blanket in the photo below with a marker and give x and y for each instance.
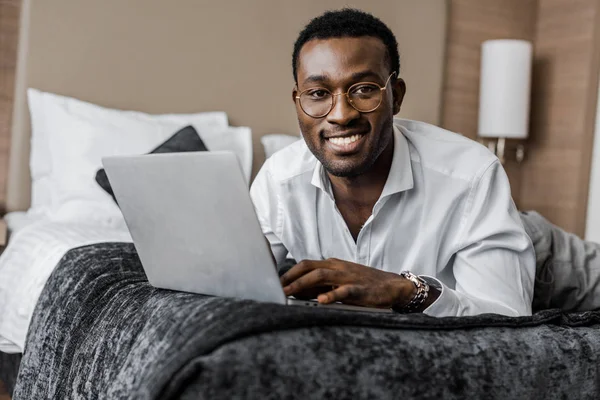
(100, 331)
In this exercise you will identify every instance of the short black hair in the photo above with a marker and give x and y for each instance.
(347, 22)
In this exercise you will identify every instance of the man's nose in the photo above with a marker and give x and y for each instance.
(342, 112)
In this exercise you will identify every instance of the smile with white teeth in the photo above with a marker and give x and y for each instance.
(340, 141)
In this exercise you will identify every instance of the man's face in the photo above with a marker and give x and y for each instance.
(336, 64)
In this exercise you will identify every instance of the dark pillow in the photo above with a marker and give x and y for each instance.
(186, 139)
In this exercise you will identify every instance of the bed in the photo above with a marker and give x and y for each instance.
(78, 318)
(122, 338)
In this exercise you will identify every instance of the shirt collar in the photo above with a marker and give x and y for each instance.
(399, 179)
(320, 179)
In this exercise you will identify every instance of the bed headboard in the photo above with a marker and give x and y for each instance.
(197, 55)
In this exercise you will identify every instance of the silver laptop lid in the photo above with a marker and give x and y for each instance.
(193, 224)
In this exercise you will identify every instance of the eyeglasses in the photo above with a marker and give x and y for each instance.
(364, 97)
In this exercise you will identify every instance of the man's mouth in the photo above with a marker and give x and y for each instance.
(340, 141)
(345, 144)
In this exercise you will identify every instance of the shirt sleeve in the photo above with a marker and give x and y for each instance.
(494, 266)
(268, 210)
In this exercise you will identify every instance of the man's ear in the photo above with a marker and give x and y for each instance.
(294, 93)
(398, 91)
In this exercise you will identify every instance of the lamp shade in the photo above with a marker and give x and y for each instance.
(504, 89)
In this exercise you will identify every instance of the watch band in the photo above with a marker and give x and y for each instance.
(415, 304)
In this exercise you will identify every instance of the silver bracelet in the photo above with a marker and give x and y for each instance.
(416, 302)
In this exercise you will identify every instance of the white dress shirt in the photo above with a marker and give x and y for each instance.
(445, 213)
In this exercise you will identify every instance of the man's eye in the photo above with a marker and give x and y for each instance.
(364, 90)
(318, 94)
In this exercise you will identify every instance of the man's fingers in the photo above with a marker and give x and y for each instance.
(315, 278)
(302, 268)
(305, 266)
(346, 294)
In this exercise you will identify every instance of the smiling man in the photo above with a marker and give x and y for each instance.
(383, 212)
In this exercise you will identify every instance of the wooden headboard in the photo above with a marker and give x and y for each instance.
(196, 55)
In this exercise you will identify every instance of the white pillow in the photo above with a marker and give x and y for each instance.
(70, 137)
(274, 142)
(237, 139)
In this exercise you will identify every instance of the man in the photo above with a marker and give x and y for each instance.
(365, 198)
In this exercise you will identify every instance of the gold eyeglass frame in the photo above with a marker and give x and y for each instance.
(334, 95)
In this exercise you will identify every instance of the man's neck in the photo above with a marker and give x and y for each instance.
(364, 190)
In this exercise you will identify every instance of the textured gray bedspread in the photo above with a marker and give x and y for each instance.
(100, 331)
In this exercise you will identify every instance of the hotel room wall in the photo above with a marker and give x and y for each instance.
(201, 55)
(471, 22)
(554, 178)
(9, 33)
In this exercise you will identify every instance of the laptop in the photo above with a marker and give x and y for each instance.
(195, 228)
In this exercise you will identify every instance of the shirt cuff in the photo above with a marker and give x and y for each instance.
(446, 303)
(6, 346)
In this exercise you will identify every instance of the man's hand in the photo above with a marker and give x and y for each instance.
(348, 283)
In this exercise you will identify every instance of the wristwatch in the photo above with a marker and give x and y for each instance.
(415, 304)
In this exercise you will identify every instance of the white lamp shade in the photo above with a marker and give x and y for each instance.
(504, 89)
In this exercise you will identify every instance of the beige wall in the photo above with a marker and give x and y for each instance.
(470, 23)
(9, 35)
(229, 55)
(554, 178)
